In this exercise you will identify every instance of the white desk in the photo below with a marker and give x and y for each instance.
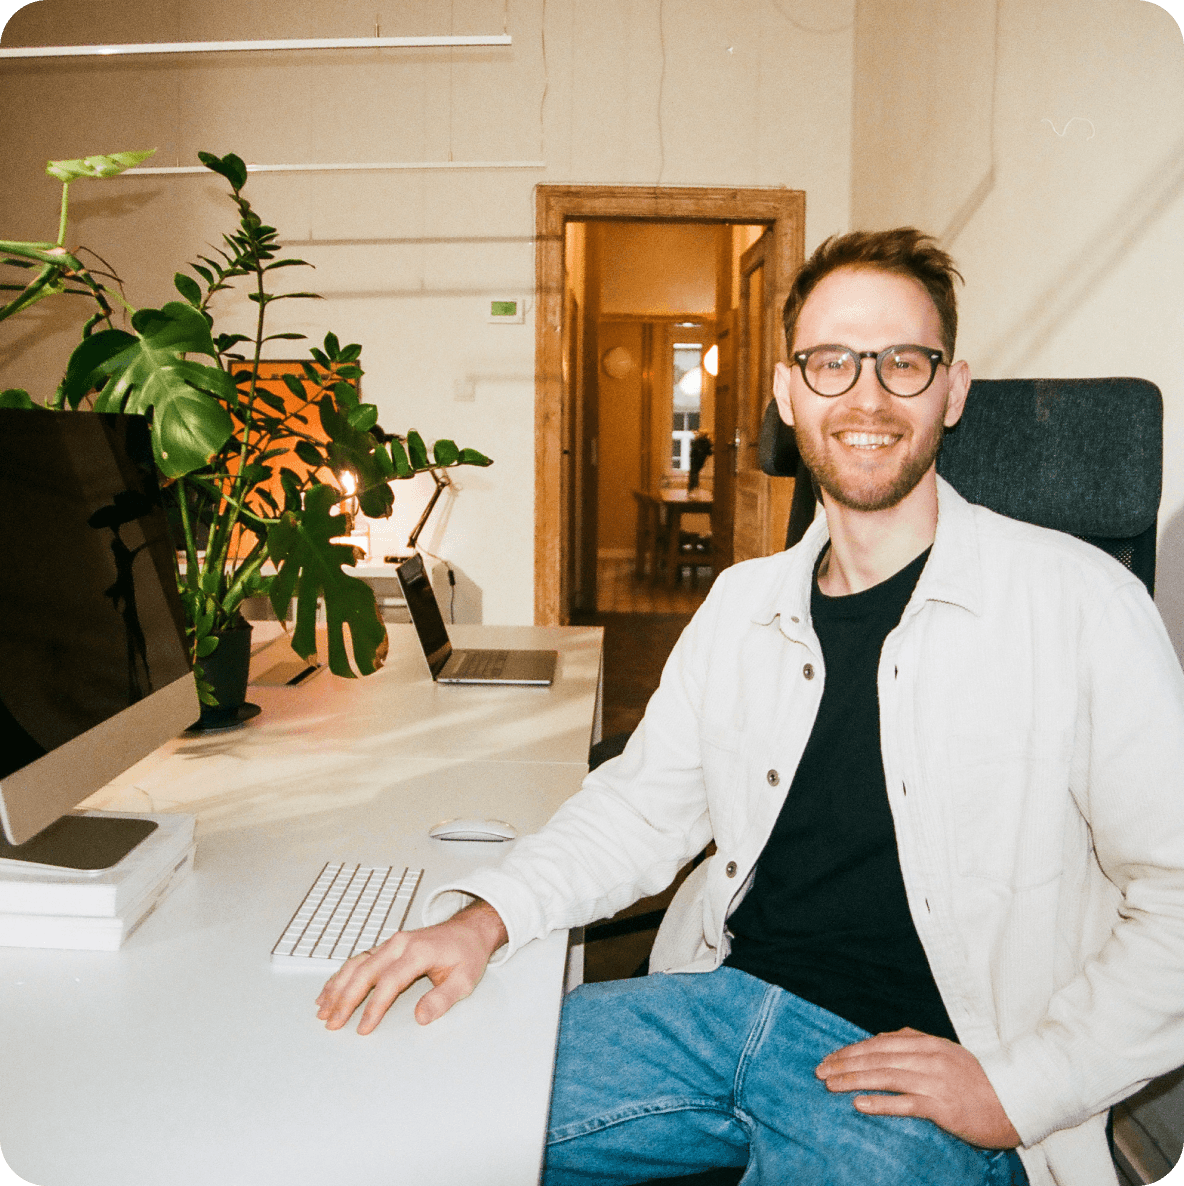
(185, 1059)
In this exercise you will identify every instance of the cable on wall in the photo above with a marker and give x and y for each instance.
(809, 29)
(546, 81)
(661, 89)
(451, 57)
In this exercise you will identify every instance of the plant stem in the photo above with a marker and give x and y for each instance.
(48, 282)
(247, 569)
(191, 571)
(218, 552)
(62, 220)
(220, 496)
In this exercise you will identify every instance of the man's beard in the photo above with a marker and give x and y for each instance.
(867, 492)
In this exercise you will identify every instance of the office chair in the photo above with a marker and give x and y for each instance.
(1084, 456)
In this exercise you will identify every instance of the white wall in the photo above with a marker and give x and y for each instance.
(1063, 193)
(617, 92)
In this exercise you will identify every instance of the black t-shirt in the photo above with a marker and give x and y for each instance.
(827, 917)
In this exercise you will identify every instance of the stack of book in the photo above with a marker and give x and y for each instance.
(94, 911)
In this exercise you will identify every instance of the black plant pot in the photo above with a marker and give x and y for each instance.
(227, 670)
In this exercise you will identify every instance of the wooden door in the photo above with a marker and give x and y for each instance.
(724, 443)
(760, 504)
(570, 470)
(585, 396)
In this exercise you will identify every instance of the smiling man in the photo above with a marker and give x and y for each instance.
(939, 753)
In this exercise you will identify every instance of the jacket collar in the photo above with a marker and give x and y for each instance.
(952, 574)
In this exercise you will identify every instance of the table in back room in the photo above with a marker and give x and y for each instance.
(659, 524)
(188, 1059)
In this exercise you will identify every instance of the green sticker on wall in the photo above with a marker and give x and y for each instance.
(503, 308)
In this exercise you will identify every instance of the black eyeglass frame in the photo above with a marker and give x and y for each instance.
(935, 357)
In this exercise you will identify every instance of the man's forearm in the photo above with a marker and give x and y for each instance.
(487, 924)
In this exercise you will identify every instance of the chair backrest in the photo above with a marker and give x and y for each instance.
(1083, 456)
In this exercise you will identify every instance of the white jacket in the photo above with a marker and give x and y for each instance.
(1032, 729)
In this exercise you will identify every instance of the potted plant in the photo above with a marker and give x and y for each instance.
(251, 475)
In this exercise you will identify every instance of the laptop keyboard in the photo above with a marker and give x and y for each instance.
(480, 665)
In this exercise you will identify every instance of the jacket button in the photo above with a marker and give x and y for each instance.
(808, 671)
(730, 870)
(773, 777)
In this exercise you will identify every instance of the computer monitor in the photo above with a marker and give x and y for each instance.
(94, 665)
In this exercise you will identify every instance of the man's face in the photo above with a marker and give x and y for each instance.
(869, 449)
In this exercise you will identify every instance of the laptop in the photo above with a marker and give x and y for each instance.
(533, 668)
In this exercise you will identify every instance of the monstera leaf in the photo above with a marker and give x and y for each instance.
(310, 566)
(147, 371)
(109, 165)
(352, 447)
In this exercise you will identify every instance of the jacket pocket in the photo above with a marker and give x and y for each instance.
(1009, 810)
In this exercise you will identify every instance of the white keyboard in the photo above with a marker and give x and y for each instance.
(349, 909)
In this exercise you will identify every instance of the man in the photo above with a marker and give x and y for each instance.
(940, 754)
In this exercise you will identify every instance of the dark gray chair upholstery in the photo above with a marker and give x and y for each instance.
(1083, 456)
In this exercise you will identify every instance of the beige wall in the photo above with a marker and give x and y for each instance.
(1056, 175)
(1058, 184)
(746, 93)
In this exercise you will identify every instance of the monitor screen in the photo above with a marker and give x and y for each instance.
(94, 666)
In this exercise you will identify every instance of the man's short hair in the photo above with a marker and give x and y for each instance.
(905, 250)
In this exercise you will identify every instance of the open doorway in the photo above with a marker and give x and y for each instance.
(645, 384)
(658, 326)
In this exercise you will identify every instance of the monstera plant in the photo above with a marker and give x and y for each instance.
(251, 474)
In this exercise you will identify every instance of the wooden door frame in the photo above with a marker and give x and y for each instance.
(783, 210)
(747, 478)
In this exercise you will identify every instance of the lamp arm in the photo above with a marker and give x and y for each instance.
(442, 481)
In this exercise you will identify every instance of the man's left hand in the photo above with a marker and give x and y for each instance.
(931, 1077)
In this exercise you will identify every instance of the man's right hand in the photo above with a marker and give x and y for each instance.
(452, 954)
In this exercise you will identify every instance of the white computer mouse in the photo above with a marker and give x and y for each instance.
(488, 830)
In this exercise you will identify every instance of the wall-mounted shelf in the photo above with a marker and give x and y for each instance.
(219, 47)
(342, 168)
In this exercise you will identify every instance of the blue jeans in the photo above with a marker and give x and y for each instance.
(671, 1074)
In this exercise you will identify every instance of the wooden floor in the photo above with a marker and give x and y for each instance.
(618, 590)
(641, 623)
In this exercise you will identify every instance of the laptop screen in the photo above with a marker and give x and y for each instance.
(425, 612)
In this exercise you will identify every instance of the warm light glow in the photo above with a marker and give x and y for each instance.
(691, 384)
(711, 361)
(349, 484)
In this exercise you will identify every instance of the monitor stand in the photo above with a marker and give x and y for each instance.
(85, 843)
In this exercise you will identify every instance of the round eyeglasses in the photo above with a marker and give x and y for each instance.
(902, 370)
